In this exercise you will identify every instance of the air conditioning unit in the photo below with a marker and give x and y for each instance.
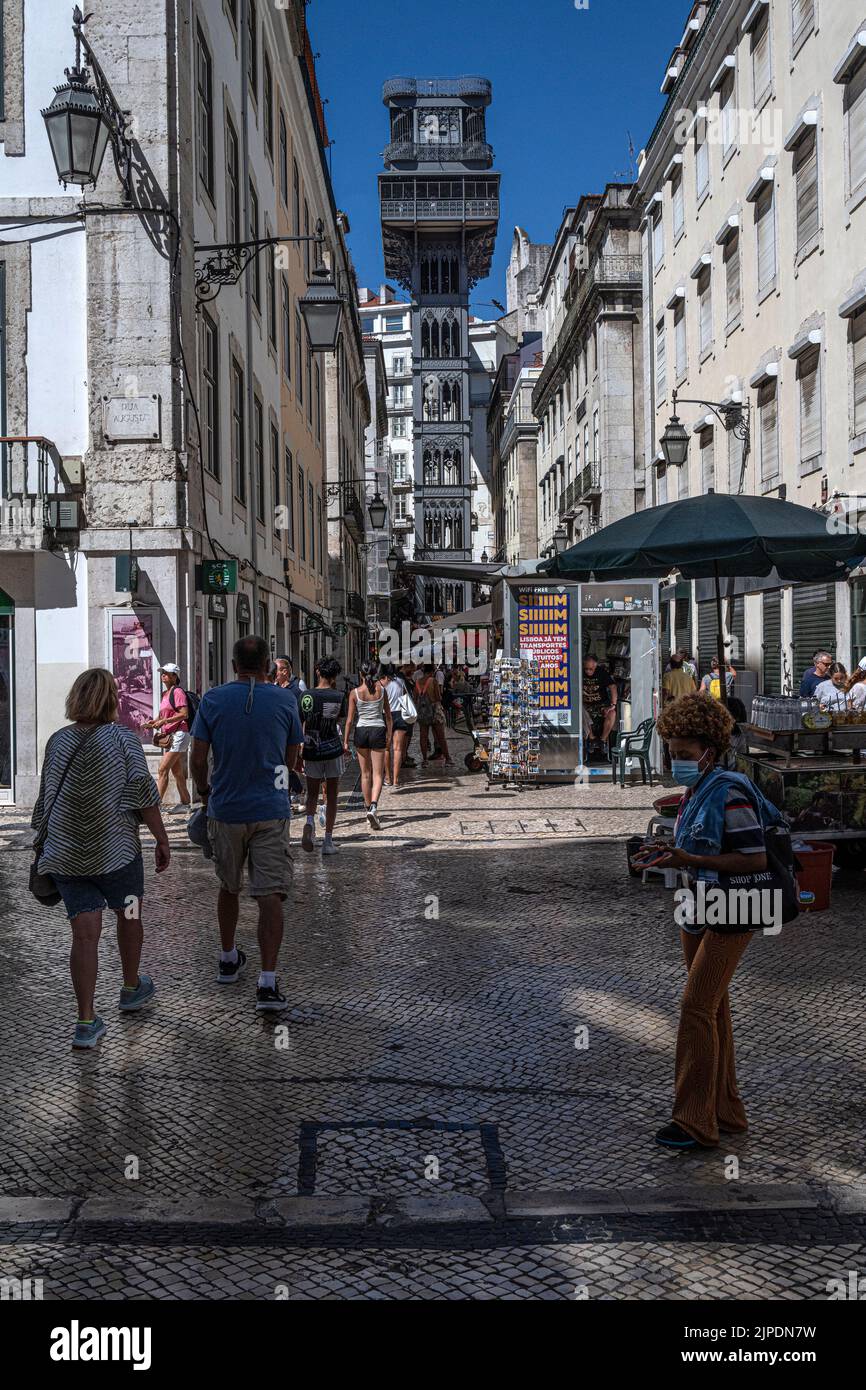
(63, 514)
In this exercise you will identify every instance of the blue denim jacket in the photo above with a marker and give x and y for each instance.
(701, 826)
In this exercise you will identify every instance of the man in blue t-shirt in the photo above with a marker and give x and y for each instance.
(254, 734)
(817, 672)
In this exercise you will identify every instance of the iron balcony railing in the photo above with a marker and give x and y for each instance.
(587, 482)
(566, 501)
(465, 87)
(438, 151)
(440, 209)
(626, 271)
(403, 523)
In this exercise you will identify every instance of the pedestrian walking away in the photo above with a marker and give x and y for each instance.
(322, 711)
(370, 711)
(171, 733)
(254, 735)
(721, 831)
(95, 787)
(401, 705)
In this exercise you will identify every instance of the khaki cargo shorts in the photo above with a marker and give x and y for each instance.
(263, 845)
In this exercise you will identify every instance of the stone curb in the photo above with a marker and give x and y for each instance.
(353, 1210)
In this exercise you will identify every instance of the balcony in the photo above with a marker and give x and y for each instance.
(587, 483)
(356, 607)
(440, 209)
(467, 88)
(439, 152)
(403, 523)
(605, 272)
(36, 507)
(566, 502)
(401, 484)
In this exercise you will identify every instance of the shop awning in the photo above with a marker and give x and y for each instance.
(481, 616)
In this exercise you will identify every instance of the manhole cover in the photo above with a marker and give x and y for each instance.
(395, 1158)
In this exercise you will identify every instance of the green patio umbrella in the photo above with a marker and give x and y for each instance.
(713, 536)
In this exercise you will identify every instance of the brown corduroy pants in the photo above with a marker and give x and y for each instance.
(706, 1095)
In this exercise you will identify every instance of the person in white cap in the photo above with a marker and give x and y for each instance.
(171, 727)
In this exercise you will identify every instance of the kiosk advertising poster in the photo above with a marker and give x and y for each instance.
(543, 634)
(132, 663)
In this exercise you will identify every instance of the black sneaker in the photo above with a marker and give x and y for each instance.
(228, 971)
(673, 1137)
(269, 998)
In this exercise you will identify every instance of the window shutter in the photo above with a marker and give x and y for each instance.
(809, 375)
(858, 329)
(761, 74)
(769, 412)
(702, 164)
(855, 105)
(766, 229)
(680, 341)
(726, 107)
(735, 461)
(678, 206)
(661, 372)
(732, 278)
(658, 240)
(802, 17)
(708, 462)
(706, 311)
(806, 175)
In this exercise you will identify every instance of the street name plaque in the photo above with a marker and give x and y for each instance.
(131, 418)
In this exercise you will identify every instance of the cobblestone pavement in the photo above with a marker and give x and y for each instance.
(440, 975)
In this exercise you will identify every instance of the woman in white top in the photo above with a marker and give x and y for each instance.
(395, 688)
(831, 692)
(369, 706)
(857, 690)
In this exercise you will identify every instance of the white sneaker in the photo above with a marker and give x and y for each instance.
(373, 818)
(329, 847)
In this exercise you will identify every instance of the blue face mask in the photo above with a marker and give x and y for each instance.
(685, 774)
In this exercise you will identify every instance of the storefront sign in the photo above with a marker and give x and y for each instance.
(217, 607)
(243, 612)
(616, 598)
(130, 417)
(219, 576)
(543, 633)
(132, 664)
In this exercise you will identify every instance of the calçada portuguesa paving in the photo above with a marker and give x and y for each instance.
(462, 1099)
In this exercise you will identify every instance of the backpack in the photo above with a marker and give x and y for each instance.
(193, 700)
(782, 863)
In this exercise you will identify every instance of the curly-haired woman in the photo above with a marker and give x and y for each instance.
(720, 829)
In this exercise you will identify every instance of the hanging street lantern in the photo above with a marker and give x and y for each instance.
(392, 561)
(560, 539)
(322, 309)
(78, 130)
(675, 443)
(377, 512)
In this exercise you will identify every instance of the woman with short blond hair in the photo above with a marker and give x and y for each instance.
(95, 786)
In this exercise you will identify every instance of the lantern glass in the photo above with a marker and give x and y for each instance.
(675, 443)
(377, 512)
(322, 308)
(78, 133)
(560, 539)
(392, 561)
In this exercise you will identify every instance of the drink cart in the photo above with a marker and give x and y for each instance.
(809, 762)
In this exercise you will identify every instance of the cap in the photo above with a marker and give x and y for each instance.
(172, 668)
(861, 664)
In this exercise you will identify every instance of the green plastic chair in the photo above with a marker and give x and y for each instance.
(634, 745)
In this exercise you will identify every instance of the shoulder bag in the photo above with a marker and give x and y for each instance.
(42, 886)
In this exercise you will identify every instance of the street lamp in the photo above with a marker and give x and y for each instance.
(80, 120)
(734, 415)
(675, 443)
(377, 512)
(392, 561)
(560, 539)
(484, 557)
(322, 310)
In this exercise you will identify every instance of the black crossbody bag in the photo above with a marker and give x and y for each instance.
(42, 886)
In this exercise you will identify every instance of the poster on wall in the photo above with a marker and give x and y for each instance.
(132, 666)
(543, 635)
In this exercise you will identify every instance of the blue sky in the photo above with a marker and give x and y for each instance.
(568, 87)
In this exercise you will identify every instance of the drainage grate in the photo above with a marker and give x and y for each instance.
(396, 1158)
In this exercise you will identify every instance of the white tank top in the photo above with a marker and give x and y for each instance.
(370, 713)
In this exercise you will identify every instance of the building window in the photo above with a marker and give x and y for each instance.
(306, 243)
(272, 297)
(210, 393)
(399, 468)
(302, 530)
(702, 158)
(320, 528)
(768, 416)
(233, 183)
(728, 113)
(858, 369)
(253, 49)
(802, 20)
(296, 199)
(811, 432)
(262, 620)
(660, 364)
(238, 432)
(596, 452)
(255, 267)
(368, 327)
(678, 211)
(735, 462)
(762, 65)
(284, 160)
(855, 121)
(286, 321)
(732, 279)
(658, 235)
(393, 325)
(268, 105)
(290, 501)
(765, 225)
(309, 383)
(705, 310)
(398, 366)
(708, 463)
(275, 477)
(681, 357)
(398, 427)
(318, 374)
(806, 184)
(311, 512)
(204, 111)
(259, 457)
(299, 358)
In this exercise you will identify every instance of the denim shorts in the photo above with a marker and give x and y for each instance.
(97, 891)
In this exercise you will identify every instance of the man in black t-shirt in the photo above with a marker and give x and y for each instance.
(599, 701)
(323, 711)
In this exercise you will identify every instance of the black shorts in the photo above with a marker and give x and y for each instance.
(370, 736)
(398, 722)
